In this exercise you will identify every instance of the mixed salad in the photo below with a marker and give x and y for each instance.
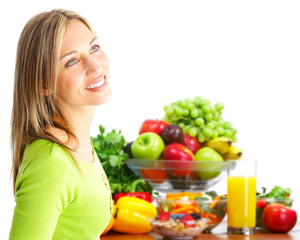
(189, 210)
(276, 195)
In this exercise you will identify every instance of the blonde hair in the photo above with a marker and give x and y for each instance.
(36, 70)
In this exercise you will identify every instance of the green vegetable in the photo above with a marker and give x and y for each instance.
(276, 195)
(217, 209)
(110, 151)
(213, 194)
(277, 192)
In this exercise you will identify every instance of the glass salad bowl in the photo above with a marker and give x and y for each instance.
(277, 194)
(172, 175)
(186, 215)
(262, 203)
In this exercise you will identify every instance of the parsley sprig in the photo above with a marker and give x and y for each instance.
(110, 151)
(277, 192)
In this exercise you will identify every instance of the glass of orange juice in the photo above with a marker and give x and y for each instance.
(241, 196)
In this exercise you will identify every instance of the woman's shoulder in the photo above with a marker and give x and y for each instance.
(46, 169)
(43, 148)
(45, 159)
(46, 155)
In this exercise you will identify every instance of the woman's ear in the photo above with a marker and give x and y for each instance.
(45, 92)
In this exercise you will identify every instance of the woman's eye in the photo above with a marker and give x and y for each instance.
(71, 62)
(95, 48)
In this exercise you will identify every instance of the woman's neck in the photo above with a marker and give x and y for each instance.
(78, 122)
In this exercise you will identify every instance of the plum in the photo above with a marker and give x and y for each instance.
(172, 134)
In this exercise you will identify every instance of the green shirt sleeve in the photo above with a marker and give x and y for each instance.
(44, 188)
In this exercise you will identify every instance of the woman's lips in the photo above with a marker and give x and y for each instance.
(98, 85)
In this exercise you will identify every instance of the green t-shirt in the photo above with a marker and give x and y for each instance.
(55, 200)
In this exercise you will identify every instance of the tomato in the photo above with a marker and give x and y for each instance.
(154, 175)
(279, 218)
(261, 203)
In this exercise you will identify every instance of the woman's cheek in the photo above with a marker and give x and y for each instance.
(70, 81)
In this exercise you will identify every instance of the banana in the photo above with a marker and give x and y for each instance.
(220, 144)
(233, 153)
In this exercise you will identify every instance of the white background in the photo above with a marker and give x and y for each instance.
(244, 54)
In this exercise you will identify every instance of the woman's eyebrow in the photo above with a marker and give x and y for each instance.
(69, 53)
(75, 51)
(93, 40)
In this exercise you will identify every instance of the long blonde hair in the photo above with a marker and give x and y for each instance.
(36, 69)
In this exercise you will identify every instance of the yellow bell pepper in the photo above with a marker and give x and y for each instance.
(118, 236)
(111, 222)
(133, 215)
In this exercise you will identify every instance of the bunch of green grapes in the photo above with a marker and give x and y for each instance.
(199, 119)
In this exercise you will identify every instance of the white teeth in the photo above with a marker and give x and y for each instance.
(95, 85)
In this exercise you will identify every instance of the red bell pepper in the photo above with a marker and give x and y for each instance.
(132, 192)
(141, 195)
(118, 196)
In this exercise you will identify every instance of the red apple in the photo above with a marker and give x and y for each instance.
(191, 143)
(182, 159)
(151, 125)
(279, 218)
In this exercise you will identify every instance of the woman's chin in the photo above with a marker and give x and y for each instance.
(105, 96)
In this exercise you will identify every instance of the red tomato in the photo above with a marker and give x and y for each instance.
(279, 218)
(155, 126)
(154, 175)
(261, 203)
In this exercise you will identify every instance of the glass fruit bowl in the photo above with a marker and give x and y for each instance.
(262, 203)
(186, 218)
(173, 175)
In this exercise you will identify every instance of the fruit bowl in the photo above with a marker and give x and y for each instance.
(170, 175)
(262, 203)
(186, 219)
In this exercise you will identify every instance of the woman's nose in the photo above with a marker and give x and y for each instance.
(94, 65)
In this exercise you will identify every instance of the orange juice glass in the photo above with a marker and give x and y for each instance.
(241, 196)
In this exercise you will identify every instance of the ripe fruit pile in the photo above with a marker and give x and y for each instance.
(199, 119)
(159, 139)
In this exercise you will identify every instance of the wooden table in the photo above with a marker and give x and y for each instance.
(219, 233)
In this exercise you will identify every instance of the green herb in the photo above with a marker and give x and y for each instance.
(212, 194)
(277, 192)
(205, 206)
(110, 151)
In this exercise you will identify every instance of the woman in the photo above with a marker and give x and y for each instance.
(61, 74)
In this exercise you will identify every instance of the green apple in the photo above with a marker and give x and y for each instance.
(148, 145)
(207, 154)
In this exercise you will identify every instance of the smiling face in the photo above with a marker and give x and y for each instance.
(83, 76)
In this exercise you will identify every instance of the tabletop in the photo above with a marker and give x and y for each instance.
(219, 233)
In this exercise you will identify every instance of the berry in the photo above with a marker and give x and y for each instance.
(188, 221)
(176, 216)
(195, 215)
(164, 216)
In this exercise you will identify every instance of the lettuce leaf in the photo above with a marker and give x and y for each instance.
(277, 192)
